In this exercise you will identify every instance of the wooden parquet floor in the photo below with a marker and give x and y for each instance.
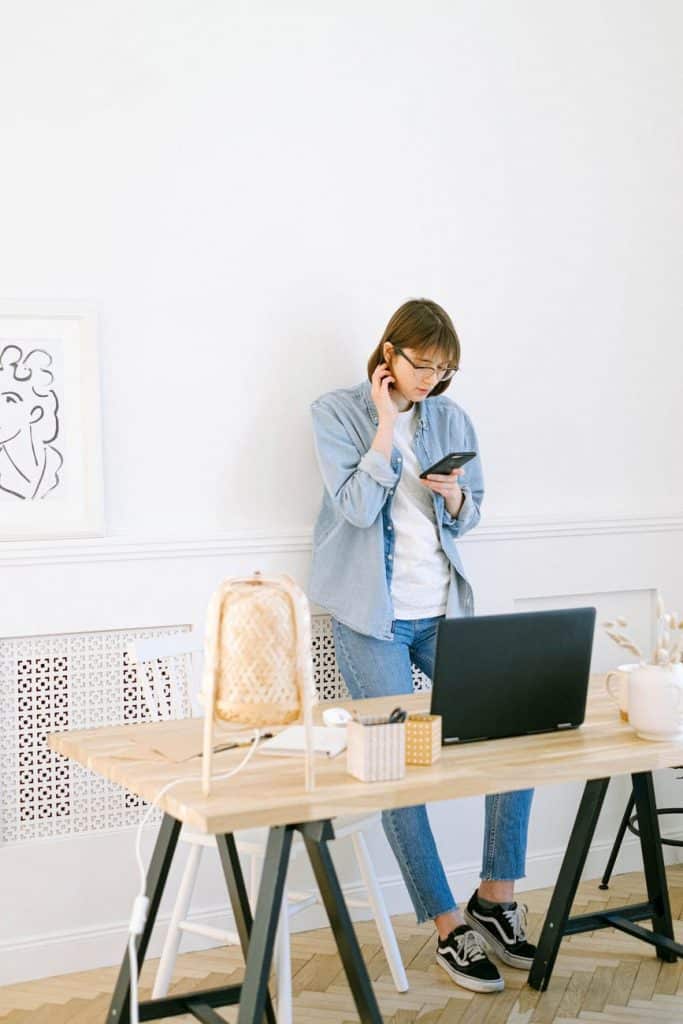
(601, 977)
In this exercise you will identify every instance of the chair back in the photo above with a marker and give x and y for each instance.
(155, 658)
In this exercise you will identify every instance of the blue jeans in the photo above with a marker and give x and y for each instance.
(377, 668)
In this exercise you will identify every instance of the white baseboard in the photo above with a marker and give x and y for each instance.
(67, 951)
(85, 949)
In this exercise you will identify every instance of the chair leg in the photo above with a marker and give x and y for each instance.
(166, 966)
(382, 919)
(254, 990)
(283, 953)
(283, 963)
(604, 884)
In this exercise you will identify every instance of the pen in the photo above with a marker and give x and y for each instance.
(236, 743)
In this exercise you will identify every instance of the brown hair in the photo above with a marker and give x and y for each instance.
(420, 325)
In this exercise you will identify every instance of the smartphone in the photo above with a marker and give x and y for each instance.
(449, 462)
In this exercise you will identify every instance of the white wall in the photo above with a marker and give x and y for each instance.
(247, 191)
(247, 195)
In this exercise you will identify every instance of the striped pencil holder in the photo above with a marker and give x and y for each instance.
(376, 753)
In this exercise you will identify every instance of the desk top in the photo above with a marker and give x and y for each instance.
(270, 790)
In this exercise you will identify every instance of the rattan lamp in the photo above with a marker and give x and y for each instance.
(258, 667)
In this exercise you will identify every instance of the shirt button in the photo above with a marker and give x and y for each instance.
(390, 557)
(389, 527)
(391, 492)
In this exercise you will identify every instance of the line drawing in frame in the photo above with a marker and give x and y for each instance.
(30, 461)
(50, 432)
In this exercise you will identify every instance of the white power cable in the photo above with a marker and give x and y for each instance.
(141, 903)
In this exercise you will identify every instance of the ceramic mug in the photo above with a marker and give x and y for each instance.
(616, 684)
(655, 701)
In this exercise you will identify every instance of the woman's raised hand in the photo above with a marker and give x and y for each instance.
(382, 379)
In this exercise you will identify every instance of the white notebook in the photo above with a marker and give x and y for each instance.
(292, 741)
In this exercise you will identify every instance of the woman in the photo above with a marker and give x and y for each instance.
(386, 567)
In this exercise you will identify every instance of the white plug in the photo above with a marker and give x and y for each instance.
(139, 915)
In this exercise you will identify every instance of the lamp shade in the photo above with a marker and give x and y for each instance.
(258, 667)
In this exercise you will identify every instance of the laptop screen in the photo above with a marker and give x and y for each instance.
(510, 675)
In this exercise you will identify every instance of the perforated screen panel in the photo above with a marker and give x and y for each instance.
(81, 681)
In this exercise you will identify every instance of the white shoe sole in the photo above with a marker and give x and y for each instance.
(522, 963)
(466, 981)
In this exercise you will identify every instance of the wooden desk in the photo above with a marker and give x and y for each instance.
(270, 792)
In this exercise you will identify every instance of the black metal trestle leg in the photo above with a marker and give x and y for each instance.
(240, 902)
(262, 941)
(567, 882)
(609, 868)
(316, 836)
(167, 840)
(257, 936)
(653, 861)
(199, 1004)
(657, 909)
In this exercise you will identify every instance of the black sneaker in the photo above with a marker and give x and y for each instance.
(463, 958)
(503, 930)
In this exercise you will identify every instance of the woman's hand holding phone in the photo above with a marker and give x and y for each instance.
(448, 486)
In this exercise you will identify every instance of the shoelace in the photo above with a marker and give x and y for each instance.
(472, 946)
(516, 918)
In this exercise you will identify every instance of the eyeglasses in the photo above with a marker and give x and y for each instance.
(424, 372)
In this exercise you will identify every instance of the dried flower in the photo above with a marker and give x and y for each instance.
(625, 642)
(661, 656)
(668, 649)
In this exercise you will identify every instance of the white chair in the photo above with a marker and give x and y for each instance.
(164, 699)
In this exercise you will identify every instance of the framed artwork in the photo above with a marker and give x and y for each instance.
(50, 439)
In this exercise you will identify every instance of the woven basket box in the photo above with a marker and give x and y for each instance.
(375, 753)
(423, 739)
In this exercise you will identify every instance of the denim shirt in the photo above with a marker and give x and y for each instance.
(353, 542)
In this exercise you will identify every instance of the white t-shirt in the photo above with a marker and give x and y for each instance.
(421, 575)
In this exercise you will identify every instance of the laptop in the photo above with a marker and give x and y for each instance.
(512, 675)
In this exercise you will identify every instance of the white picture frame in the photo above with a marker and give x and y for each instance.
(50, 432)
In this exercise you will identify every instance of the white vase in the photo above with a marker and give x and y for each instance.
(655, 701)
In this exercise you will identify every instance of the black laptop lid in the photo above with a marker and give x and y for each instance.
(508, 675)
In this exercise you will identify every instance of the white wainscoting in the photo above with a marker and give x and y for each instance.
(75, 917)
